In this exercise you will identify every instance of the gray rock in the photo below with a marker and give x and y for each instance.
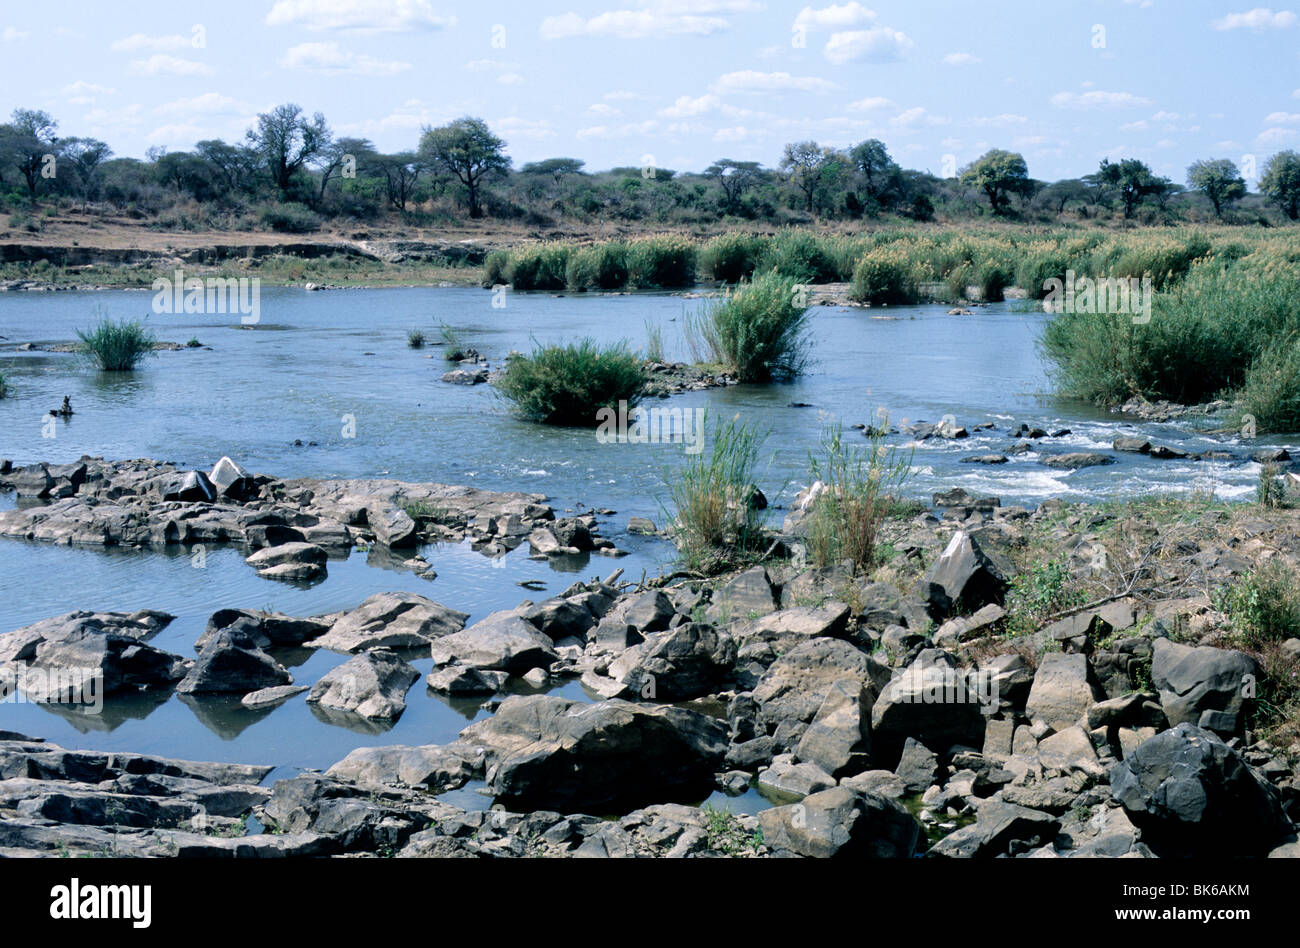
(996, 827)
(549, 752)
(225, 667)
(839, 738)
(682, 663)
(438, 767)
(261, 629)
(795, 686)
(747, 596)
(1062, 692)
(289, 561)
(918, 768)
(1192, 680)
(391, 620)
(371, 685)
(393, 526)
(932, 701)
(271, 697)
(502, 642)
(967, 576)
(466, 680)
(1193, 795)
(786, 778)
(840, 821)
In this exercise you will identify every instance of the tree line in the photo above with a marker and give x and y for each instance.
(291, 172)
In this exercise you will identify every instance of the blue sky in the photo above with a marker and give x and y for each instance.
(1064, 82)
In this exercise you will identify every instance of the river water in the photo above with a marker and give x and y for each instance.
(324, 385)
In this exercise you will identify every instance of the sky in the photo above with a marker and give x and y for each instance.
(681, 83)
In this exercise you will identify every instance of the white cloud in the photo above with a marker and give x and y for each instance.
(163, 64)
(510, 79)
(869, 104)
(138, 42)
(877, 45)
(84, 93)
(631, 24)
(1260, 18)
(632, 129)
(331, 58)
(359, 16)
(962, 59)
(487, 65)
(735, 133)
(1141, 125)
(1096, 99)
(600, 108)
(1282, 118)
(833, 17)
(209, 103)
(916, 116)
(685, 106)
(751, 81)
(11, 34)
(1276, 136)
(1003, 120)
(1144, 4)
(513, 127)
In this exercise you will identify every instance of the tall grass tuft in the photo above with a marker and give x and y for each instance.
(733, 256)
(117, 346)
(4, 388)
(1264, 605)
(1271, 390)
(654, 342)
(663, 262)
(884, 275)
(415, 339)
(599, 267)
(569, 384)
(804, 256)
(759, 332)
(714, 523)
(859, 485)
(496, 269)
(539, 266)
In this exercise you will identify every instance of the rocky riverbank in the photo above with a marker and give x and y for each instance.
(1060, 682)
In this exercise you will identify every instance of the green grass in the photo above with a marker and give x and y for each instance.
(733, 256)
(4, 388)
(663, 262)
(726, 835)
(885, 276)
(453, 351)
(806, 257)
(117, 346)
(569, 384)
(1270, 492)
(759, 332)
(844, 521)
(1039, 593)
(415, 339)
(539, 266)
(712, 521)
(654, 342)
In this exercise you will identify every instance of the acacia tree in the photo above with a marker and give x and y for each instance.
(25, 142)
(286, 139)
(86, 155)
(878, 172)
(467, 150)
(999, 174)
(557, 168)
(1220, 180)
(735, 178)
(806, 164)
(1280, 182)
(1132, 180)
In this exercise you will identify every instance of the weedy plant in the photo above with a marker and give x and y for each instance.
(117, 346)
(570, 384)
(856, 497)
(1264, 605)
(415, 339)
(714, 520)
(759, 332)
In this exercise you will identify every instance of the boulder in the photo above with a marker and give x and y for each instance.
(289, 561)
(392, 526)
(918, 767)
(839, 738)
(996, 827)
(934, 702)
(841, 821)
(21, 643)
(787, 779)
(1193, 795)
(232, 481)
(1193, 680)
(501, 642)
(553, 753)
(226, 667)
(793, 689)
(458, 680)
(1074, 460)
(87, 662)
(747, 596)
(968, 576)
(1062, 692)
(371, 685)
(266, 698)
(259, 629)
(438, 767)
(676, 665)
(391, 620)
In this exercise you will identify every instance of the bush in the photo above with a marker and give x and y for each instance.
(1271, 391)
(803, 256)
(733, 256)
(662, 262)
(415, 339)
(568, 385)
(1040, 593)
(539, 266)
(759, 332)
(117, 346)
(714, 521)
(600, 267)
(291, 218)
(884, 275)
(845, 517)
(4, 388)
(495, 269)
(1264, 606)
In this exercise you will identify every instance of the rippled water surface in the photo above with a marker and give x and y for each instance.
(318, 359)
